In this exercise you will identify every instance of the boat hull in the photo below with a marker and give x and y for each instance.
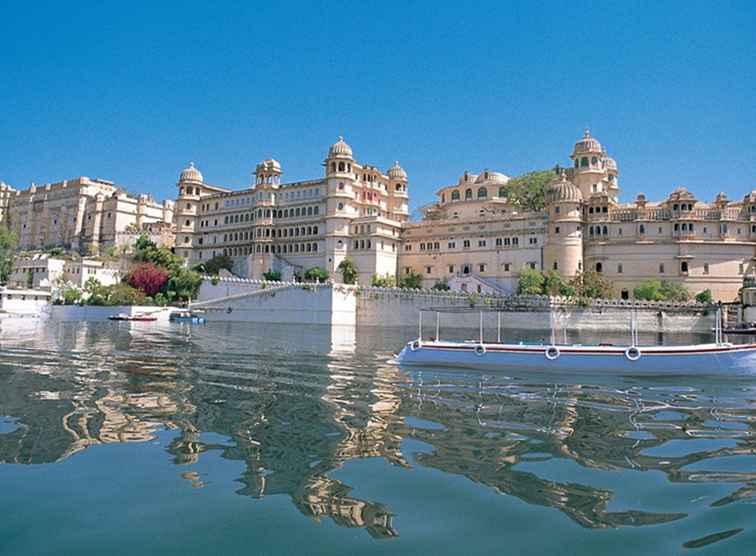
(708, 359)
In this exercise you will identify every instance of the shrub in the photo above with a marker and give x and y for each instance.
(672, 291)
(386, 281)
(655, 290)
(316, 274)
(71, 295)
(272, 276)
(705, 297)
(348, 271)
(148, 278)
(531, 282)
(123, 294)
(411, 280)
(441, 285)
(183, 285)
(648, 291)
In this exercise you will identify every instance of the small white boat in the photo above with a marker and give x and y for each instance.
(716, 358)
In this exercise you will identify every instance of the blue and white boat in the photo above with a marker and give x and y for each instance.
(717, 358)
(187, 316)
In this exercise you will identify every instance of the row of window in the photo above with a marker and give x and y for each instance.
(684, 267)
(468, 268)
(500, 242)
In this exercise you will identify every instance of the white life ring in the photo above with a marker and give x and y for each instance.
(551, 353)
(414, 346)
(480, 349)
(633, 353)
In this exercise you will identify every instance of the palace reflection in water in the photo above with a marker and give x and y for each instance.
(295, 404)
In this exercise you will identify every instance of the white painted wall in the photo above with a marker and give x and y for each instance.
(98, 313)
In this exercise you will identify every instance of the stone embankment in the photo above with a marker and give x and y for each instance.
(297, 303)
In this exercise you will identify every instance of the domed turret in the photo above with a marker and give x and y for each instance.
(587, 145)
(268, 172)
(396, 172)
(191, 174)
(562, 190)
(467, 178)
(340, 149)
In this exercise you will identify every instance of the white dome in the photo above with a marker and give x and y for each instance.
(587, 144)
(563, 190)
(487, 176)
(396, 172)
(270, 164)
(191, 174)
(340, 149)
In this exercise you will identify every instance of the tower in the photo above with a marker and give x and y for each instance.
(340, 209)
(186, 212)
(564, 244)
(588, 160)
(398, 193)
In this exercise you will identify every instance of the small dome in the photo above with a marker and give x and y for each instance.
(487, 176)
(562, 190)
(611, 164)
(191, 174)
(396, 172)
(340, 149)
(587, 144)
(270, 164)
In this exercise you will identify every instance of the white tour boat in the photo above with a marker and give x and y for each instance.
(715, 358)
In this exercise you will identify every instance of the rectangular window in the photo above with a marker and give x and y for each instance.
(532, 266)
(661, 268)
(506, 267)
(619, 268)
(533, 241)
(428, 269)
(556, 230)
(466, 243)
(482, 267)
(481, 243)
(498, 242)
(451, 245)
(741, 268)
(451, 269)
(706, 268)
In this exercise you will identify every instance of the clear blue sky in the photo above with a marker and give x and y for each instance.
(133, 91)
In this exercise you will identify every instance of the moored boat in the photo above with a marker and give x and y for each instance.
(187, 316)
(133, 318)
(715, 358)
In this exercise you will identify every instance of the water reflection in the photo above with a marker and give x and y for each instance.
(295, 404)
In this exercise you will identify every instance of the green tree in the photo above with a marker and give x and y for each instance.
(214, 265)
(71, 295)
(530, 282)
(705, 297)
(183, 285)
(411, 280)
(650, 290)
(555, 284)
(97, 293)
(8, 244)
(272, 276)
(385, 281)
(529, 190)
(348, 271)
(673, 291)
(123, 294)
(593, 285)
(316, 274)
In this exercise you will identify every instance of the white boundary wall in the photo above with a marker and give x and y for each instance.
(99, 313)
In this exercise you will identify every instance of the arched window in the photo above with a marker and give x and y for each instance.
(466, 269)
(594, 161)
(605, 231)
(482, 193)
(684, 266)
(468, 194)
(599, 267)
(584, 162)
(455, 195)
(502, 192)
(642, 229)
(341, 167)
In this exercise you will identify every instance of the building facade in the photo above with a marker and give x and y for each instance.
(83, 214)
(354, 211)
(474, 237)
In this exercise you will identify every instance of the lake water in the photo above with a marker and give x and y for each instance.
(146, 438)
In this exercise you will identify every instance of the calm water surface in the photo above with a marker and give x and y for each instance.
(124, 438)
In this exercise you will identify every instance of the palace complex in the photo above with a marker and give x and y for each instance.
(82, 214)
(474, 237)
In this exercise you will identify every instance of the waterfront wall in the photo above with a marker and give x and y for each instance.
(393, 307)
(288, 302)
(277, 302)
